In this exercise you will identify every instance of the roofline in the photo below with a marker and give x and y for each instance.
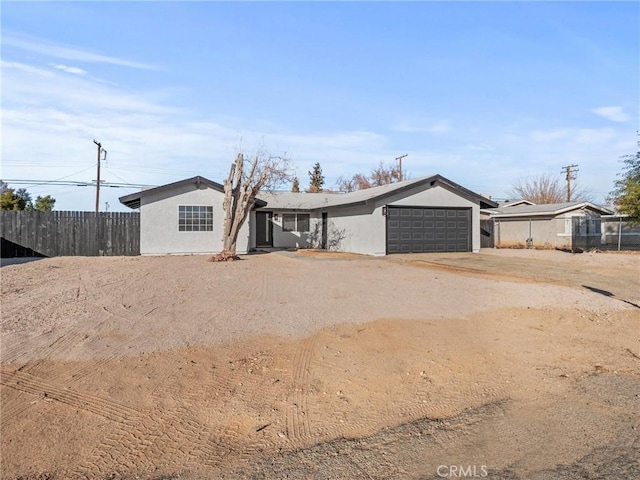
(468, 193)
(576, 206)
(133, 200)
(410, 185)
(515, 203)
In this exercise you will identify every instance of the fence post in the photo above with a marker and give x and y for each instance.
(619, 233)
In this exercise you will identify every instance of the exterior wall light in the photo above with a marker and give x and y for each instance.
(384, 211)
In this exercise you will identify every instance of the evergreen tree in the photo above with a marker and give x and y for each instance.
(316, 179)
(626, 195)
(11, 199)
(295, 187)
(44, 204)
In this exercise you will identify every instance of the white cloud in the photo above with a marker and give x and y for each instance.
(55, 118)
(50, 120)
(594, 135)
(615, 114)
(437, 128)
(549, 135)
(573, 135)
(44, 47)
(65, 68)
(25, 68)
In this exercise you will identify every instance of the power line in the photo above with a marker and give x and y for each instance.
(116, 175)
(112, 165)
(75, 183)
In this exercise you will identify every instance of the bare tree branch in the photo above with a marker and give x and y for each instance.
(546, 188)
(382, 175)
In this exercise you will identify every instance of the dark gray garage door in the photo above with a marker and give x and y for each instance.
(421, 229)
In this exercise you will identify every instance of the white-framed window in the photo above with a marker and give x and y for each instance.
(195, 218)
(296, 222)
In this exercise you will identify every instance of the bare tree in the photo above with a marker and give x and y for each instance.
(245, 180)
(546, 188)
(382, 175)
(580, 194)
(357, 182)
(543, 188)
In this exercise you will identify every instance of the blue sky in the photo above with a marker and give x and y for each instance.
(483, 93)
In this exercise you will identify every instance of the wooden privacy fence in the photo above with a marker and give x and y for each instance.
(54, 234)
(486, 234)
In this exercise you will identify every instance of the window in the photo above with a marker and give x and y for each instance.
(195, 218)
(289, 222)
(303, 222)
(295, 222)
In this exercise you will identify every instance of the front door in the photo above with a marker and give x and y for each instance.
(264, 229)
(324, 231)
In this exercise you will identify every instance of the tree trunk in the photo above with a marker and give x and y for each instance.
(240, 191)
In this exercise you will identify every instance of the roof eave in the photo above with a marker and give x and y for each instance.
(135, 198)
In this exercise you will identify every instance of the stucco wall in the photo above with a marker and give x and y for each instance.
(362, 229)
(159, 223)
(514, 232)
(356, 229)
(546, 232)
(310, 239)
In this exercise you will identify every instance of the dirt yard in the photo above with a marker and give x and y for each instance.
(501, 365)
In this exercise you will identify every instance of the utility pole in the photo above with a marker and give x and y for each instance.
(570, 171)
(100, 152)
(399, 159)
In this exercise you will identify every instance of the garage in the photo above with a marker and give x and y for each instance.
(428, 229)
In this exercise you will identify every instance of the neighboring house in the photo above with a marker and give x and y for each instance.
(619, 233)
(514, 203)
(542, 226)
(429, 214)
(486, 214)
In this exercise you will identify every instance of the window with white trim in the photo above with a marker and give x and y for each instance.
(296, 222)
(195, 218)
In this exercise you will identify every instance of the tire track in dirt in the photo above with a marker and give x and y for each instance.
(136, 440)
(16, 352)
(171, 440)
(297, 414)
(14, 408)
(106, 408)
(56, 304)
(462, 391)
(201, 391)
(64, 342)
(101, 352)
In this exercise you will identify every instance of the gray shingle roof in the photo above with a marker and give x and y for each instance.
(544, 209)
(314, 201)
